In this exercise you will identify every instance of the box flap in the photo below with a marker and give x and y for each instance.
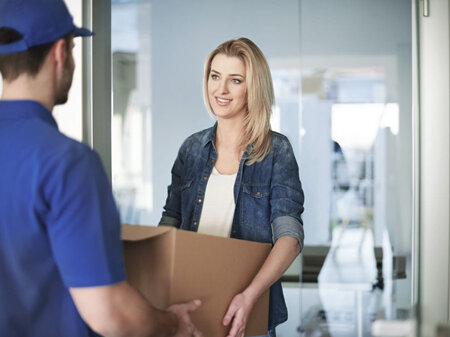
(136, 233)
(149, 262)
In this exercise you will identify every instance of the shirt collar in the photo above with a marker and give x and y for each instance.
(209, 135)
(24, 109)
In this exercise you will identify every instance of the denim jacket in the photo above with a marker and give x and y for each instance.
(268, 197)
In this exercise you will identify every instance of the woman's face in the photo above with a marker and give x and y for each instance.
(227, 89)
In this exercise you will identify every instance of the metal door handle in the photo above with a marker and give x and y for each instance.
(426, 8)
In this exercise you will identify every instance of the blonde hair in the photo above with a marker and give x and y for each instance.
(260, 95)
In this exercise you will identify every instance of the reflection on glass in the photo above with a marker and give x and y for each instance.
(356, 152)
(342, 78)
(131, 122)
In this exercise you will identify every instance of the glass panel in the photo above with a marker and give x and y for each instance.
(356, 163)
(132, 115)
(342, 80)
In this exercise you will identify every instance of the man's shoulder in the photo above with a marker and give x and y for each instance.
(51, 148)
(58, 144)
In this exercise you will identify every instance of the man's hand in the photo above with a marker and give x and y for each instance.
(185, 326)
(238, 312)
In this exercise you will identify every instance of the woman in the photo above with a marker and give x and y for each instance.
(239, 178)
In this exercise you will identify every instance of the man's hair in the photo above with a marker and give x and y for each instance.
(27, 62)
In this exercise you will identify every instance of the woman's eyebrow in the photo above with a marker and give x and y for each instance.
(218, 73)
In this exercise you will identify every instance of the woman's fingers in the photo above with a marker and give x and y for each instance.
(230, 313)
(237, 313)
(238, 327)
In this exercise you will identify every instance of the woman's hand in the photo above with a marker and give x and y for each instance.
(281, 256)
(238, 311)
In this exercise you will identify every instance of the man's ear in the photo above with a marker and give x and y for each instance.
(59, 52)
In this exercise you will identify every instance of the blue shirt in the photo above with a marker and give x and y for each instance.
(59, 226)
(268, 197)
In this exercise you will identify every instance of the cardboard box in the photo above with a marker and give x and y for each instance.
(170, 266)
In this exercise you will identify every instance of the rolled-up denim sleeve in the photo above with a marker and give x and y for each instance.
(171, 215)
(288, 226)
(287, 196)
(169, 221)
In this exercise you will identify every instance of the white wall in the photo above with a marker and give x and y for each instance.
(316, 169)
(70, 115)
(183, 34)
(317, 32)
(349, 27)
(352, 34)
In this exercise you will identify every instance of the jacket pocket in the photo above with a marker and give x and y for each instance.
(256, 191)
(255, 208)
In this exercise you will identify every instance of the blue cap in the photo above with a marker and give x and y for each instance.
(39, 21)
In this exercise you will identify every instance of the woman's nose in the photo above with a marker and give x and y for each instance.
(223, 88)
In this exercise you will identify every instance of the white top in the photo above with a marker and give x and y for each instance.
(218, 206)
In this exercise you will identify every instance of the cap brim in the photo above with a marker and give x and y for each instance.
(80, 31)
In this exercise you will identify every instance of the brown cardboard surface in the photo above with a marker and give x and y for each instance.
(149, 265)
(135, 233)
(170, 266)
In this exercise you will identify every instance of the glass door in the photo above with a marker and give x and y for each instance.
(356, 154)
(343, 85)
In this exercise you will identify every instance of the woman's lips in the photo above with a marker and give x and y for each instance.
(222, 101)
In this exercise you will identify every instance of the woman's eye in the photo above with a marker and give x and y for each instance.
(236, 81)
(214, 77)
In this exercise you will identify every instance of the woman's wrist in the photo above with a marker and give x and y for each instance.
(251, 294)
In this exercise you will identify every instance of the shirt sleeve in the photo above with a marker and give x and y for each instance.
(83, 223)
(171, 215)
(286, 194)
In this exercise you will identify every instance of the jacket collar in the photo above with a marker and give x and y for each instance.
(209, 135)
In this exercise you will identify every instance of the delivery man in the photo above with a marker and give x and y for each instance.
(61, 264)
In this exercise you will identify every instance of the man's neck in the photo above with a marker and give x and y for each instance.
(27, 88)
